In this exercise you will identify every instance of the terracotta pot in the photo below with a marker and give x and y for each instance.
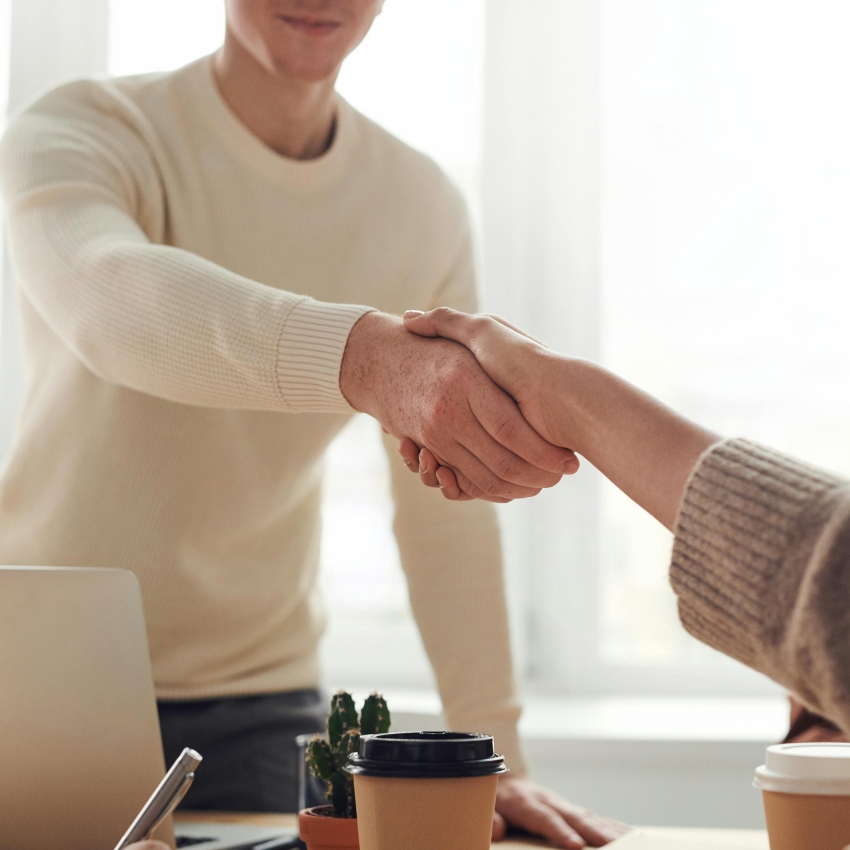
(320, 830)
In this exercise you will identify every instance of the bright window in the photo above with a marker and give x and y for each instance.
(726, 208)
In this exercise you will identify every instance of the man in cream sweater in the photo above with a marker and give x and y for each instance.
(191, 249)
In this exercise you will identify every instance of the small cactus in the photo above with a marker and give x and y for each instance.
(327, 759)
(374, 716)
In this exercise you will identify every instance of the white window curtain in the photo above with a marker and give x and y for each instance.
(45, 42)
(540, 203)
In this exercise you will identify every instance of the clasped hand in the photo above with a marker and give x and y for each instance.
(434, 393)
(504, 447)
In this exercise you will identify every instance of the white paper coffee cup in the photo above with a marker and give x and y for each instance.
(806, 792)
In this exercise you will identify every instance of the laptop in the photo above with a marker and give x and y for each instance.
(80, 747)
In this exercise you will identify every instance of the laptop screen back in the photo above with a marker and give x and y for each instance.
(80, 748)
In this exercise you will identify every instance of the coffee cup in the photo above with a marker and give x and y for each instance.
(806, 792)
(425, 790)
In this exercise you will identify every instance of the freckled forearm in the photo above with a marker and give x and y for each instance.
(363, 363)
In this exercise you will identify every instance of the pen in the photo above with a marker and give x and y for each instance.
(164, 799)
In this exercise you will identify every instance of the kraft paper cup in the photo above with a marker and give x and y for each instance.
(425, 790)
(806, 792)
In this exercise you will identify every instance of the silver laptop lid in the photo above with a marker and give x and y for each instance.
(80, 747)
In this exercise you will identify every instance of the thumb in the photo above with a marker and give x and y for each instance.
(443, 321)
(500, 827)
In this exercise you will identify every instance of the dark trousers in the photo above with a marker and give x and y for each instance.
(248, 745)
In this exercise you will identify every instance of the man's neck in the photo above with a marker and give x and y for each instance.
(292, 117)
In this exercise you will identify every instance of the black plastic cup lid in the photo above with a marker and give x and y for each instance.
(426, 755)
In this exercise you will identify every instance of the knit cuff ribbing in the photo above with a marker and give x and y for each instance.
(310, 354)
(745, 508)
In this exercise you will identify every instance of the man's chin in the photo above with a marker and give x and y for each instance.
(306, 68)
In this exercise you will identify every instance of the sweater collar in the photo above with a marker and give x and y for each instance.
(305, 175)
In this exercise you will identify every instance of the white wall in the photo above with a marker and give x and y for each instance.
(656, 783)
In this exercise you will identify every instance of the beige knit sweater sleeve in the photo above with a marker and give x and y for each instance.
(761, 566)
(87, 222)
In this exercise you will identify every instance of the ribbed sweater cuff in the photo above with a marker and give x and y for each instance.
(310, 354)
(744, 509)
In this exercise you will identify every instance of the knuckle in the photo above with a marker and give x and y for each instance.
(508, 467)
(504, 429)
(433, 414)
(473, 490)
(493, 486)
(457, 368)
(431, 435)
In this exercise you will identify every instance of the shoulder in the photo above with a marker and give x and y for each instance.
(82, 118)
(85, 132)
(85, 102)
(110, 113)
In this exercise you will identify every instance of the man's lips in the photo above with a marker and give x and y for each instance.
(310, 26)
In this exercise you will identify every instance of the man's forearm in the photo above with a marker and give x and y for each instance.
(642, 446)
(362, 360)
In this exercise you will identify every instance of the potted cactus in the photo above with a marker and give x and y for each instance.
(335, 825)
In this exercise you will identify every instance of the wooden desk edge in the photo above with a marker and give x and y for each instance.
(757, 837)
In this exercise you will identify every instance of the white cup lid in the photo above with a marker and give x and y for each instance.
(806, 769)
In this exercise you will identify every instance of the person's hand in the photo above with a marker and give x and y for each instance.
(511, 358)
(809, 727)
(433, 392)
(522, 804)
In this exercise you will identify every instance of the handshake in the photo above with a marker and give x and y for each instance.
(484, 411)
(462, 393)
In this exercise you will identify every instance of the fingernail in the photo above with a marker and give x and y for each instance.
(439, 481)
(412, 314)
(421, 465)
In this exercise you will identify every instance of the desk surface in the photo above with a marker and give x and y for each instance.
(755, 839)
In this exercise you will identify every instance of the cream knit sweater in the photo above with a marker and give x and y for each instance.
(185, 297)
(761, 566)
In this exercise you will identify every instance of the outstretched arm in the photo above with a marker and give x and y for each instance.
(762, 547)
(643, 447)
(87, 226)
